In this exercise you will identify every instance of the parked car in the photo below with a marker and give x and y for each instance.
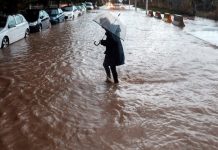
(38, 19)
(70, 12)
(117, 5)
(83, 7)
(56, 15)
(79, 10)
(12, 29)
(83, 4)
(89, 5)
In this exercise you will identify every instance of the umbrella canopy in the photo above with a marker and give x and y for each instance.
(112, 24)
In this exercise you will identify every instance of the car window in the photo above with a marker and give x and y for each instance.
(77, 7)
(18, 19)
(52, 12)
(88, 4)
(11, 21)
(3, 21)
(67, 8)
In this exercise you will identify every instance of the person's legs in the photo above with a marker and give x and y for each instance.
(108, 73)
(114, 73)
(107, 70)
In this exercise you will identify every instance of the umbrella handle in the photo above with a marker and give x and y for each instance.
(96, 44)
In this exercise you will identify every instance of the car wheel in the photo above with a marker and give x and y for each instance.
(27, 33)
(5, 42)
(40, 28)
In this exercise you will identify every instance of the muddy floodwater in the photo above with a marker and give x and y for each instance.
(53, 94)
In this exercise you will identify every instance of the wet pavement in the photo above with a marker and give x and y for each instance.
(204, 29)
(53, 94)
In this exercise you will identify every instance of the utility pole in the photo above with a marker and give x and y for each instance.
(135, 5)
(146, 7)
(30, 5)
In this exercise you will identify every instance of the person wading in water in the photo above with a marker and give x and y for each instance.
(114, 55)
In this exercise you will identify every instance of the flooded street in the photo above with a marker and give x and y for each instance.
(53, 93)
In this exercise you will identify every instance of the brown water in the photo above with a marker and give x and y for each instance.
(53, 94)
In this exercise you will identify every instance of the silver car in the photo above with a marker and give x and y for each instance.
(12, 29)
(89, 5)
(70, 12)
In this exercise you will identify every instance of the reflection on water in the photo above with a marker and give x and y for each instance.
(53, 94)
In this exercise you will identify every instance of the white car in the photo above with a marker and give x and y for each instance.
(89, 5)
(12, 29)
(82, 9)
(83, 6)
(70, 12)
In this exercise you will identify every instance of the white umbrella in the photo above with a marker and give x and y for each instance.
(111, 24)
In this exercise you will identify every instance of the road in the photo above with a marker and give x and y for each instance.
(53, 93)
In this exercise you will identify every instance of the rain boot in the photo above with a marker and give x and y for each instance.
(114, 73)
(108, 73)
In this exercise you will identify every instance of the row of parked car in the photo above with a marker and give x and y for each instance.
(18, 26)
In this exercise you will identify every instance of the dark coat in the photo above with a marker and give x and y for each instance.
(114, 55)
